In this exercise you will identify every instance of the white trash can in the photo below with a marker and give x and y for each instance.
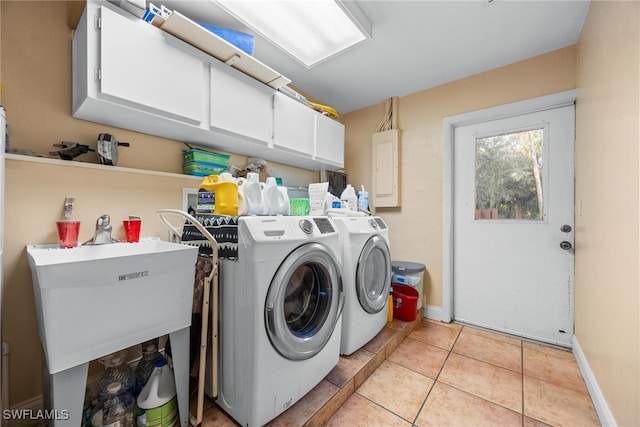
(411, 274)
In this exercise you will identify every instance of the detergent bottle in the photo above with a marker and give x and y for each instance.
(157, 403)
(276, 202)
(225, 193)
(285, 206)
(252, 194)
(349, 196)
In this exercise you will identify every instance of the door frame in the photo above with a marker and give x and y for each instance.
(560, 99)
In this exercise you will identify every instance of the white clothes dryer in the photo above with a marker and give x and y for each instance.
(366, 266)
(280, 314)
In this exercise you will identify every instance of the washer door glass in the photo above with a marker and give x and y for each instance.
(304, 302)
(373, 276)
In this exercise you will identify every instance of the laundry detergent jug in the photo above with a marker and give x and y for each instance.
(225, 193)
(276, 201)
(252, 203)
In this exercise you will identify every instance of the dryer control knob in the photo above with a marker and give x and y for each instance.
(306, 226)
(373, 223)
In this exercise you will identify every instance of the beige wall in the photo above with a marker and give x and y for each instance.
(607, 211)
(36, 76)
(416, 227)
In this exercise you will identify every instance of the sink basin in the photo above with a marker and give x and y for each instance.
(94, 300)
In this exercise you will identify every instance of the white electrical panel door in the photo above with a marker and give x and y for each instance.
(386, 184)
(140, 65)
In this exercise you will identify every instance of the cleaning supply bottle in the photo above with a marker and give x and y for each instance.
(363, 200)
(116, 371)
(390, 307)
(145, 366)
(252, 194)
(157, 403)
(349, 196)
(225, 193)
(285, 207)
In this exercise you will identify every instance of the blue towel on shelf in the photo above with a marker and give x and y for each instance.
(242, 41)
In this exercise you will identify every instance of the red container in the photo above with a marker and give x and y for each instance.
(405, 302)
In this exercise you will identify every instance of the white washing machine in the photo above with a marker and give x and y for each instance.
(280, 314)
(366, 266)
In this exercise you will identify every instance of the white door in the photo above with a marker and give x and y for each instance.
(513, 260)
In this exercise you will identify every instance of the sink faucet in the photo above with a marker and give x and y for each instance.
(103, 232)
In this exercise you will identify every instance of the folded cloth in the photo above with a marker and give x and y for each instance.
(242, 41)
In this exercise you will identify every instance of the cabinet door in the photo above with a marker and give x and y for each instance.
(240, 106)
(329, 141)
(141, 66)
(293, 125)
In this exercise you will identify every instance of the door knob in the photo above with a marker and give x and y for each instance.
(565, 245)
(565, 228)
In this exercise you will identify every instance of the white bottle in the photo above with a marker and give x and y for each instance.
(157, 400)
(284, 208)
(271, 197)
(363, 200)
(252, 194)
(349, 196)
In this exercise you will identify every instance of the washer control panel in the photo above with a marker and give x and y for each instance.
(324, 225)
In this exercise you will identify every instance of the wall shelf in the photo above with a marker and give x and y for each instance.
(95, 166)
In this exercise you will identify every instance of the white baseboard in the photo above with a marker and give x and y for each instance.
(599, 402)
(433, 312)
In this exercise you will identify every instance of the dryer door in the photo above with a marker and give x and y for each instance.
(304, 302)
(373, 276)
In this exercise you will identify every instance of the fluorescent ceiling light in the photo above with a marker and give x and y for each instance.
(311, 31)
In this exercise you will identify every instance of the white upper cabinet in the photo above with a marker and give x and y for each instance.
(329, 140)
(130, 74)
(144, 69)
(241, 105)
(293, 125)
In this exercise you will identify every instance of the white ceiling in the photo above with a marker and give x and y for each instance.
(417, 44)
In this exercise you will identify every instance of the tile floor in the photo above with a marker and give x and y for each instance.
(427, 373)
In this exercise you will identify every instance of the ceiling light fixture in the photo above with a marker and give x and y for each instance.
(310, 31)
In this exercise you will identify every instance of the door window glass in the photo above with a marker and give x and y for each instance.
(509, 178)
(306, 300)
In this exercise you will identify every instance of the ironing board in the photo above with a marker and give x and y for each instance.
(210, 292)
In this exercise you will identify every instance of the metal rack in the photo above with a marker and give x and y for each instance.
(209, 306)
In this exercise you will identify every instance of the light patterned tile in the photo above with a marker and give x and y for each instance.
(397, 324)
(530, 422)
(396, 389)
(553, 366)
(379, 342)
(370, 368)
(361, 412)
(419, 357)
(321, 417)
(493, 335)
(438, 334)
(490, 350)
(548, 348)
(306, 407)
(348, 367)
(490, 382)
(448, 406)
(558, 406)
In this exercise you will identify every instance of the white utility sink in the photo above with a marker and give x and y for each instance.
(94, 300)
